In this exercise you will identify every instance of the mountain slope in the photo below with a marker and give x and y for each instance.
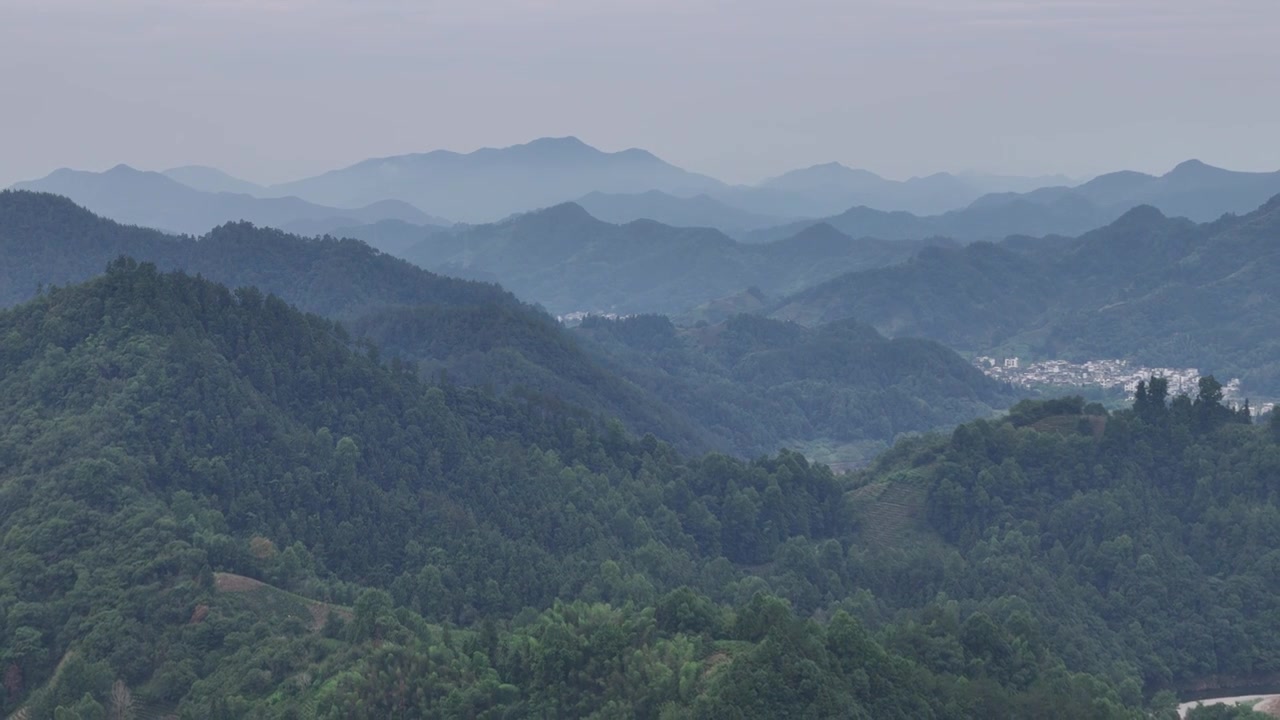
(698, 211)
(1163, 291)
(1192, 189)
(987, 219)
(216, 507)
(473, 333)
(842, 391)
(568, 261)
(153, 200)
(210, 179)
(491, 183)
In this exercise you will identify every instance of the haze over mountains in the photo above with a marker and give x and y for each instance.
(155, 200)
(568, 261)
(1161, 290)
(480, 334)
(438, 188)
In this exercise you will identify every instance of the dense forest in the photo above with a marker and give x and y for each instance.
(1162, 291)
(478, 334)
(841, 391)
(215, 505)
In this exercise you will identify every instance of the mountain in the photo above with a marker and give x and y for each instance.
(1193, 190)
(827, 189)
(394, 237)
(1163, 291)
(154, 200)
(493, 183)
(475, 334)
(240, 483)
(210, 179)
(568, 261)
(216, 507)
(698, 211)
(841, 391)
(988, 218)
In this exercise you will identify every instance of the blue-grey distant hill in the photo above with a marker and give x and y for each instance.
(1192, 189)
(829, 188)
(495, 182)
(697, 211)
(1162, 290)
(569, 261)
(211, 179)
(154, 200)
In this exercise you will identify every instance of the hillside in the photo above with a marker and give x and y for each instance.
(698, 211)
(216, 507)
(840, 391)
(983, 220)
(158, 201)
(473, 333)
(568, 261)
(1163, 291)
(1193, 190)
(210, 179)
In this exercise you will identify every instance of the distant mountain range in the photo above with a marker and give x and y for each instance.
(569, 261)
(1164, 291)
(984, 220)
(830, 188)
(156, 200)
(492, 184)
(478, 333)
(697, 211)
(1192, 189)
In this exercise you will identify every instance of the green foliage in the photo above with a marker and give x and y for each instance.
(1161, 291)
(218, 507)
(759, 384)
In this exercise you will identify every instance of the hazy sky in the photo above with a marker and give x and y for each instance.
(276, 89)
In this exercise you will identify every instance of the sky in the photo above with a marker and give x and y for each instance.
(274, 90)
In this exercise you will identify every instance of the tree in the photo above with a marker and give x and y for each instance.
(1208, 404)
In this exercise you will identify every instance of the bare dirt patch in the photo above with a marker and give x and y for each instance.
(227, 582)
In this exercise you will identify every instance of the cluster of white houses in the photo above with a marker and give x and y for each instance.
(1113, 374)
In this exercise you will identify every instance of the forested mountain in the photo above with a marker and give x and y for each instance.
(841, 392)
(478, 334)
(394, 237)
(492, 183)
(151, 199)
(1192, 189)
(568, 261)
(1067, 215)
(1163, 291)
(215, 507)
(829, 188)
(698, 211)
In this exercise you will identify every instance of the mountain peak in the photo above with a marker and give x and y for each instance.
(568, 141)
(1140, 215)
(569, 212)
(1193, 168)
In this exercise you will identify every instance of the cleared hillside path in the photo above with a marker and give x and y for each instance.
(1269, 704)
